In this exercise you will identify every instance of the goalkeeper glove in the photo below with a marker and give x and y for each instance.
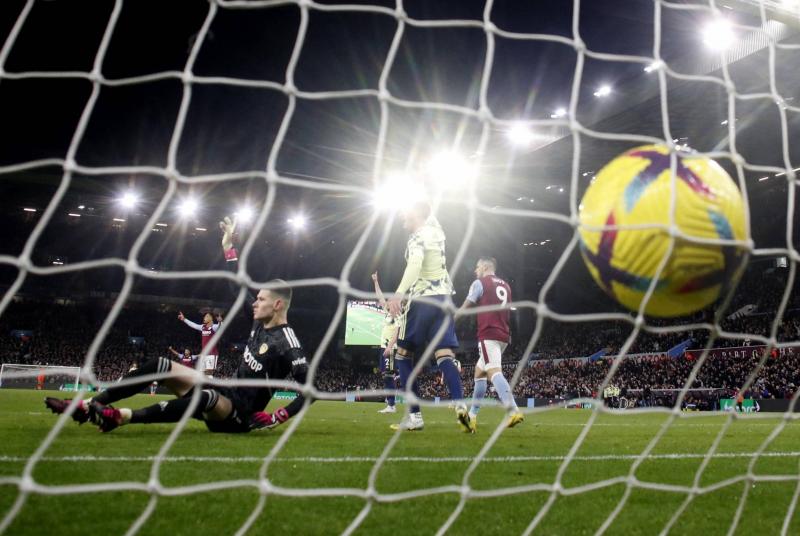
(264, 419)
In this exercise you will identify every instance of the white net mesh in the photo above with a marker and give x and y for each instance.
(766, 39)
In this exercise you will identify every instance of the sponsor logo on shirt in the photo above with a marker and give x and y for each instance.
(251, 361)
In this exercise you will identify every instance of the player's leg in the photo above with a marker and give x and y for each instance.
(211, 405)
(387, 372)
(180, 381)
(445, 358)
(404, 361)
(410, 332)
(479, 391)
(494, 351)
(445, 355)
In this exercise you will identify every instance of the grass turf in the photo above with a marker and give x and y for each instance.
(335, 445)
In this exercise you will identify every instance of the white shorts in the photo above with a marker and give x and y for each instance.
(490, 354)
(211, 362)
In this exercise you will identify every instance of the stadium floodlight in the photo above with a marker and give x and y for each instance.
(81, 207)
(603, 91)
(398, 191)
(559, 113)
(128, 200)
(520, 135)
(718, 34)
(449, 169)
(188, 207)
(244, 214)
(28, 209)
(297, 222)
(73, 214)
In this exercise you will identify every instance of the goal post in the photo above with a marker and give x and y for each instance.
(42, 377)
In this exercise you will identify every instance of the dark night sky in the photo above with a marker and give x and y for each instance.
(232, 129)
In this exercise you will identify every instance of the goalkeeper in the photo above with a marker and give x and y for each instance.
(272, 351)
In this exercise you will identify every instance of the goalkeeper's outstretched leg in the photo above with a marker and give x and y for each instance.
(180, 381)
(212, 407)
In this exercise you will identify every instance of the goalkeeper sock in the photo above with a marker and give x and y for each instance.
(452, 378)
(173, 410)
(503, 391)
(404, 367)
(388, 383)
(165, 411)
(477, 395)
(149, 367)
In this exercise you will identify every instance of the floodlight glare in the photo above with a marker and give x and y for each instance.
(603, 91)
(560, 112)
(718, 34)
(297, 222)
(128, 200)
(398, 191)
(188, 207)
(449, 169)
(520, 135)
(244, 214)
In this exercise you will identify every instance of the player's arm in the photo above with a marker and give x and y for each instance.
(416, 253)
(189, 323)
(228, 229)
(264, 419)
(215, 327)
(474, 295)
(381, 297)
(173, 352)
(299, 374)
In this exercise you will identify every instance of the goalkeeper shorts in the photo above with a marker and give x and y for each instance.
(234, 423)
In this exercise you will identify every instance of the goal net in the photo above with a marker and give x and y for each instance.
(329, 107)
(16, 376)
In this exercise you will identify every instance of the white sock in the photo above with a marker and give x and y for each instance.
(503, 391)
(477, 396)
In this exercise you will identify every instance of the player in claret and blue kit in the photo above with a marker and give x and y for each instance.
(493, 337)
(272, 351)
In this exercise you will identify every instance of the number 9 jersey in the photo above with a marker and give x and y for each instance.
(491, 290)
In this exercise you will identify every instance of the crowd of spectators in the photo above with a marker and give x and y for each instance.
(61, 333)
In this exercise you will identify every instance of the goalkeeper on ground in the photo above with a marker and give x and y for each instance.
(426, 276)
(272, 351)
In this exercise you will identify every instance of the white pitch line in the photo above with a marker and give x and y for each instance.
(371, 459)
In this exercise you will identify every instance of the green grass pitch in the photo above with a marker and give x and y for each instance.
(363, 327)
(335, 445)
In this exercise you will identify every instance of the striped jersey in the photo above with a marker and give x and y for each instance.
(426, 268)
